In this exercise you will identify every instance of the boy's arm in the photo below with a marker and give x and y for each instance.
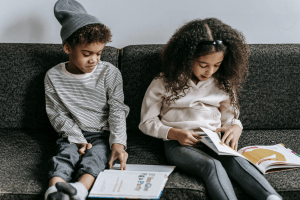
(60, 118)
(118, 111)
(150, 123)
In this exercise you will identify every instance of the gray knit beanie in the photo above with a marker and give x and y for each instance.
(72, 16)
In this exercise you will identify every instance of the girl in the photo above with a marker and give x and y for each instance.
(203, 66)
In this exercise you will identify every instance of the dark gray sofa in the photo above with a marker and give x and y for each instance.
(270, 113)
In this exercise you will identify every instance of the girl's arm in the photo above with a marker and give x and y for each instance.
(231, 127)
(227, 115)
(150, 123)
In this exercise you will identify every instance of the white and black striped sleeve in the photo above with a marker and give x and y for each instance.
(118, 111)
(59, 116)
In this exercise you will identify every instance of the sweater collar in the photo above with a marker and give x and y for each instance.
(202, 84)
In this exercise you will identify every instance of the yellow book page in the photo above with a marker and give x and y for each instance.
(257, 156)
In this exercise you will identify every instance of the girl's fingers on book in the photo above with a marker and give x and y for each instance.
(221, 129)
(233, 144)
(193, 140)
(236, 146)
(225, 136)
(196, 136)
(230, 138)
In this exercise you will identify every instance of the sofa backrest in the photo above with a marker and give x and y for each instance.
(139, 64)
(269, 99)
(23, 68)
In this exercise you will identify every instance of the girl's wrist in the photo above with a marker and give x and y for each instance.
(172, 134)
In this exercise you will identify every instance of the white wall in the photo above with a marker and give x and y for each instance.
(154, 21)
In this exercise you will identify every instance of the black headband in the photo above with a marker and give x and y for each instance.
(215, 42)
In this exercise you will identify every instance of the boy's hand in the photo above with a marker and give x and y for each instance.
(231, 134)
(82, 147)
(184, 137)
(118, 151)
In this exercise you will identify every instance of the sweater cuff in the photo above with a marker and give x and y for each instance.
(163, 132)
(233, 122)
(112, 143)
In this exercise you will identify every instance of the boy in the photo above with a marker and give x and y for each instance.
(84, 103)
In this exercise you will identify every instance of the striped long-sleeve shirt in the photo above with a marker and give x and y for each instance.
(86, 102)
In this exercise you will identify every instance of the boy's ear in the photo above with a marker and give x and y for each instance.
(67, 48)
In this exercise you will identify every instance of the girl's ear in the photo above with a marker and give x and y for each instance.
(67, 48)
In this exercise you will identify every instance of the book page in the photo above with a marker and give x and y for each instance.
(269, 157)
(128, 184)
(221, 147)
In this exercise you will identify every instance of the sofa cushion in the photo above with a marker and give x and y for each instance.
(269, 98)
(25, 155)
(23, 68)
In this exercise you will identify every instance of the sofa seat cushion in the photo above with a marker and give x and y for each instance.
(25, 155)
(24, 162)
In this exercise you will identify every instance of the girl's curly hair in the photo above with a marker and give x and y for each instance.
(185, 45)
(89, 34)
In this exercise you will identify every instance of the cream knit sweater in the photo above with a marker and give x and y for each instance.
(204, 105)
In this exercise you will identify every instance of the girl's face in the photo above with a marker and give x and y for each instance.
(83, 57)
(205, 66)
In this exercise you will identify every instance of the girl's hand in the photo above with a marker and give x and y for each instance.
(184, 137)
(232, 134)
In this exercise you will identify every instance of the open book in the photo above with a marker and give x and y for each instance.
(136, 182)
(272, 158)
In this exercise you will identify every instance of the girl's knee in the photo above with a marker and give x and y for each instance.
(211, 165)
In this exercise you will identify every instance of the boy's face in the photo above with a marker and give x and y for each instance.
(205, 66)
(83, 57)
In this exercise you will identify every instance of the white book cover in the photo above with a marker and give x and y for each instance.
(136, 182)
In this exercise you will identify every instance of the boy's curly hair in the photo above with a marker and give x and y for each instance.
(89, 34)
(185, 45)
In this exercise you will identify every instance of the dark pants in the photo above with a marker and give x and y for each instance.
(67, 165)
